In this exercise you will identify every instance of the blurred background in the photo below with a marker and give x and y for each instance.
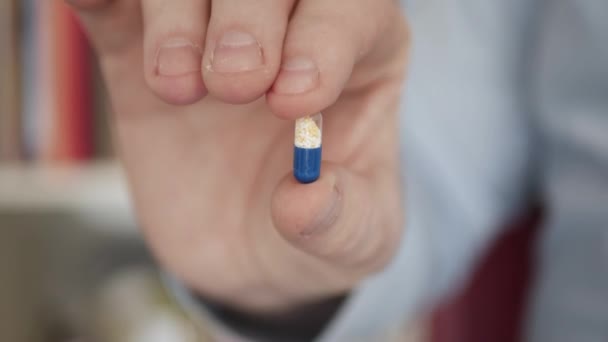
(72, 266)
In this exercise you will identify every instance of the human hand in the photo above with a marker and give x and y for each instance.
(205, 93)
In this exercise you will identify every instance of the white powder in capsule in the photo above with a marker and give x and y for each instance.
(308, 134)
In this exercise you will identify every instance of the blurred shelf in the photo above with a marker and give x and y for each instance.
(96, 191)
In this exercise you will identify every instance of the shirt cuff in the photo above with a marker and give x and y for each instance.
(379, 306)
(302, 324)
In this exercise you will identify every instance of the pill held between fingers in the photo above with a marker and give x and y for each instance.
(307, 148)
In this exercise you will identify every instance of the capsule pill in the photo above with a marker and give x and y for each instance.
(307, 148)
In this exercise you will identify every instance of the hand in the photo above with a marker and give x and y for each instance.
(205, 93)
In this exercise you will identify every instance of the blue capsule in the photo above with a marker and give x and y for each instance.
(307, 148)
(306, 164)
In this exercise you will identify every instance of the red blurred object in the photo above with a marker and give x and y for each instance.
(71, 124)
(492, 306)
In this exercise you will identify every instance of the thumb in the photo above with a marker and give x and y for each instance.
(337, 219)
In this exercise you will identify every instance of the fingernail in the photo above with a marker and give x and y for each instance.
(237, 51)
(178, 57)
(327, 217)
(298, 75)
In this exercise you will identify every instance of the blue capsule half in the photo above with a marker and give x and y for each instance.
(306, 164)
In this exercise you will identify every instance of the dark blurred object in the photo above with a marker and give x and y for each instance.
(492, 306)
(10, 122)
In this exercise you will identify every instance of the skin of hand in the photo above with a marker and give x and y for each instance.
(205, 93)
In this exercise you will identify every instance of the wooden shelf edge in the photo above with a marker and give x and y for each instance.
(95, 191)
